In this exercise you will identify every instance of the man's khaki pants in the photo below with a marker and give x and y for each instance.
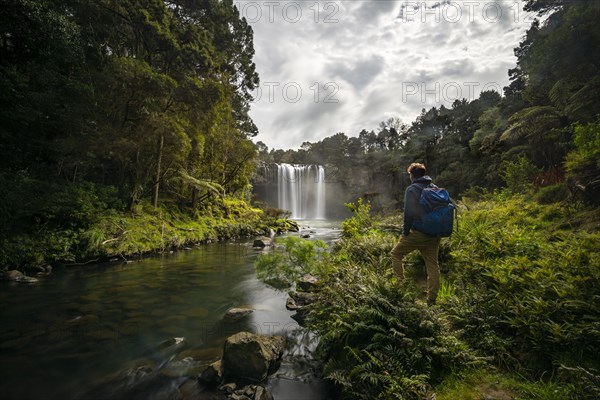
(429, 247)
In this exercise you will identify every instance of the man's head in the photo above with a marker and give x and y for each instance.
(416, 170)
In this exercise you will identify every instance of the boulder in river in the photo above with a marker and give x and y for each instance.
(251, 357)
(291, 305)
(235, 314)
(17, 276)
(262, 242)
(212, 375)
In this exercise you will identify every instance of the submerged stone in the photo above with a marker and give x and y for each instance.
(235, 314)
(17, 276)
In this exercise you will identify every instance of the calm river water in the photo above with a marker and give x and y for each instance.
(108, 331)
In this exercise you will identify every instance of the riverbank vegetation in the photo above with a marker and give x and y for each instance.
(104, 233)
(518, 312)
(124, 127)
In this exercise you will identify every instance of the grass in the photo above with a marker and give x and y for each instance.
(487, 383)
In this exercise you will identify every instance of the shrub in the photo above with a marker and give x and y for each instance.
(518, 174)
(552, 194)
(360, 222)
(299, 256)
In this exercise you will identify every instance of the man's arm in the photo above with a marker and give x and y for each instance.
(411, 204)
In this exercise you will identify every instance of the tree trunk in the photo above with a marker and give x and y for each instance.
(161, 143)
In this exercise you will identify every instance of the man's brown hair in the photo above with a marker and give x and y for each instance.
(417, 169)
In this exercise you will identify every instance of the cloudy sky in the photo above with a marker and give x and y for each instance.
(341, 66)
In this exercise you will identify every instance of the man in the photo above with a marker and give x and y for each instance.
(414, 240)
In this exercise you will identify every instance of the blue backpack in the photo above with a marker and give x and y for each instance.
(438, 216)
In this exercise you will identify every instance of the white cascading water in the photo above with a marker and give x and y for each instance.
(301, 190)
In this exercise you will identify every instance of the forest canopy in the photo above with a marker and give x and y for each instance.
(107, 105)
(147, 97)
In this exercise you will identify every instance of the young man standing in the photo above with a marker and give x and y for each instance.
(414, 240)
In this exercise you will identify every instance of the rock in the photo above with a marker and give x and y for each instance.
(251, 357)
(307, 283)
(13, 275)
(262, 242)
(262, 393)
(212, 375)
(291, 305)
(237, 396)
(34, 269)
(170, 347)
(171, 342)
(228, 388)
(303, 298)
(235, 314)
(249, 390)
(252, 392)
(300, 316)
(307, 236)
(190, 390)
(17, 276)
(293, 226)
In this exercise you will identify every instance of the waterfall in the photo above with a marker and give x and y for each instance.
(301, 190)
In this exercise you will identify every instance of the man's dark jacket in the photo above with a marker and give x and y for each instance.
(412, 207)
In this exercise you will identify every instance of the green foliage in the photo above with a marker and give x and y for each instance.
(583, 163)
(552, 194)
(298, 257)
(518, 175)
(377, 340)
(372, 248)
(483, 383)
(360, 222)
(520, 291)
(42, 220)
(105, 105)
(528, 290)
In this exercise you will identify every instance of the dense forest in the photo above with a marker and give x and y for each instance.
(112, 109)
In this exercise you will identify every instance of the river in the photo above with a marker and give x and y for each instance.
(113, 330)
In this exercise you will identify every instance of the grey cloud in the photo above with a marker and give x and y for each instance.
(370, 87)
(360, 73)
(306, 117)
(457, 68)
(370, 11)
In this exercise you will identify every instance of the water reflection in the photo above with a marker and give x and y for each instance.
(85, 326)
